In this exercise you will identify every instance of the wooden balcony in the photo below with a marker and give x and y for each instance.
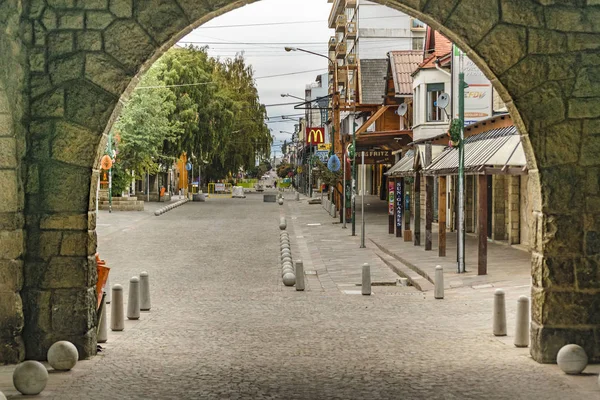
(340, 23)
(350, 3)
(351, 60)
(351, 30)
(332, 42)
(340, 50)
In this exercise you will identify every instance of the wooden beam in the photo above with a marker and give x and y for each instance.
(372, 120)
(482, 216)
(442, 216)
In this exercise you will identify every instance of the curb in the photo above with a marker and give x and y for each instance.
(165, 209)
(403, 261)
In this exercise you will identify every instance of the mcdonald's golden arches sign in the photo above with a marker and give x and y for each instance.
(315, 135)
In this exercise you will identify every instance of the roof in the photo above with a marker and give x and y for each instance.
(403, 64)
(437, 46)
(499, 147)
(372, 79)
(403, 167)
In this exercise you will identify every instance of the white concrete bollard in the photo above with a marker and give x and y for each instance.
(366, 279)
(133, 301)
(145, 303)
(117, 319)
(282, 223)
(439, 282)
(103, 328)
(297, 196)
(332, 210)
(300, 284)
(522, 327)
(280, 201)
(499, 313)
(572, 359)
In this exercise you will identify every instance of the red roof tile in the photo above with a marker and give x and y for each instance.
(403, 64)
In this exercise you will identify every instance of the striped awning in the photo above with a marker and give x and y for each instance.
(496, 151)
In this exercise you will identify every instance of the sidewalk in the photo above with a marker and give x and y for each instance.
(507, 266)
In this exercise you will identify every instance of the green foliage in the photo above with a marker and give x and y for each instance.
(284, 169)
(323, 173)
(145, 125)
(454, 131)
(121, 178)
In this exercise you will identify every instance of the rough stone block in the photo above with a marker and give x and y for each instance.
(74, 144)
(66, 69)
(49, 105)
(11, 314)
(131, 56)
(65, 188)
(89, 40)
(74, 244)
(11, 275)
(98, 19)
(8, 153)
(8, 190)
(123, 8)
(104, 72)
(71, 19)
(64, 222)
(510, 41)
(483, 14)
(60, 43)
(162, 19)
(11, 244)
(89, 106)
(73, 310)
(547, 341)
(66, 272)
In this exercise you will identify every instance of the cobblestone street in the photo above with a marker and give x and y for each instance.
(223, 326)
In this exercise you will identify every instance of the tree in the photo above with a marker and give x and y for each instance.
(284, 170)
(144, 126)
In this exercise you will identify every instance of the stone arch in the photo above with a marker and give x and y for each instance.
(83, 56)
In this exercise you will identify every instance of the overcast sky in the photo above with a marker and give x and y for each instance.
(277, 23)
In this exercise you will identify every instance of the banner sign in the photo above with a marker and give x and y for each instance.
(399, 200)
(323, 155)
(391, 202)
(219, 187)
(315, 135)
(478, 96)
(326, 146)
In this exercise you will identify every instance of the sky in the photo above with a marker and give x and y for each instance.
(276, 24)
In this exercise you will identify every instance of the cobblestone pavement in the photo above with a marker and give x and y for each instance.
(222, 325)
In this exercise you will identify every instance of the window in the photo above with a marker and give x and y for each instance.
(416, 25)
(434, 90)
(418, 43)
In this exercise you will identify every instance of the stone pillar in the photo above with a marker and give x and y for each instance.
(513, 211)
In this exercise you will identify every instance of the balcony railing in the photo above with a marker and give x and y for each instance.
(340, 50)
(416, 25)
(350, 3)
(340, 23)
(351, 30)
(332, 42)
(351, 60)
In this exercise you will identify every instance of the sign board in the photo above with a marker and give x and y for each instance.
(391, 201)
(219, 187)
(399, 203)
(326, 146)
(323, 155)
(315, 135)
(377, 157)
(478, 96)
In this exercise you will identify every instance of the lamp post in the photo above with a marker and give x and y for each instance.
(289, 95)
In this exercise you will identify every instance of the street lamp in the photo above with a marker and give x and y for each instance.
(336, 114)
(289, 95)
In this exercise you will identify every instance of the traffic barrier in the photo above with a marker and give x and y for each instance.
(300, 283)
(499, 313)
(117, 320)
(522, 327)
(366, 280)
(133, 301)
(170, 207)
(439, 283)
(145, 304)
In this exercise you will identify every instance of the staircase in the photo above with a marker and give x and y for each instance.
(120, 203)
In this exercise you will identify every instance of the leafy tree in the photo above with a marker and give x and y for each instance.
(323, 173)
(284, 169)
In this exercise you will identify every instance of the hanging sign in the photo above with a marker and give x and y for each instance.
(391, 202)
(323, 156)
(399, 199)
(315, 135)
(188, 166)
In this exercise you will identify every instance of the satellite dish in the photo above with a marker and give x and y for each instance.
(443, 101)
(402, 109)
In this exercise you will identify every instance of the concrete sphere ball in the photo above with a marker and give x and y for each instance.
(572, 359)
(287, 259)
(63, 355)
(282, 226)
(286, 251)
(288, 264)
(280, 201)
(2, 396)
(30, 377)
(289, 279)
(285, 246)
(287, 272)
(284, 235)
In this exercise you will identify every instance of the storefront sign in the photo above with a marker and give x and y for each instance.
(322, 155)
(378, 157)
(315, 135)
(323, 147)
(478, 96)
(399, 200)
(391, 202)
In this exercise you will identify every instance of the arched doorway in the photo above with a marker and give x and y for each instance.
(82, 59)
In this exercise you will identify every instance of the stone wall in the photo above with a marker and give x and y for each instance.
(12, 146)
(498, 207)
(82, 56)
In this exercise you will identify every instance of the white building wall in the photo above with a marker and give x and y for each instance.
(423, 129)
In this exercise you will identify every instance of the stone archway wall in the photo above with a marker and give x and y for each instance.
(83, 56)
(11, 190)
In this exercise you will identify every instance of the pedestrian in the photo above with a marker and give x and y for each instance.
(275, 184)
